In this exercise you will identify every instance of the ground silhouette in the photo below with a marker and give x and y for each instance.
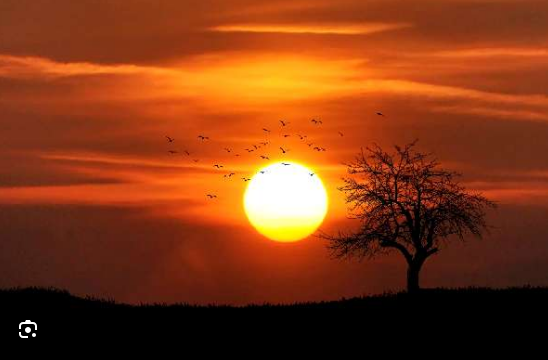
(52, 298)
(430, 313)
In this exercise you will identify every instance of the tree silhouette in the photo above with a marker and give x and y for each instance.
(406, 202)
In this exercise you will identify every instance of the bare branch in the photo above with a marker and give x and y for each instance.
(407, 202)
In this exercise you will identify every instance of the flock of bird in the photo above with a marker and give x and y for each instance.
(257, 147)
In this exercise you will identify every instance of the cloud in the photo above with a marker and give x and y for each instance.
(232, 83)
(101, 31)
(493, 112)
(451, 92)
(102, 159)
(23, 170)
(218, 80)
(30, 67)
(260, 77)
(493, 52)
(336, 29)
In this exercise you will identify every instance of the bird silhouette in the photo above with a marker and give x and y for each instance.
(266, 130)
(284, 123)
(284, 150)
(211, 196)
(170, 139)
(255, 146)
(286, 164)
(380, 114)
(264, 143)
(286, 135)
(316, 122)
(310, 144)
(173, 152)
(229, 175)
(249, 150)
(246, 179)
(265, 157)
(341, 134)
(203, 138)
(218, 166)
(196, 160)
(262, 172)
(228, 150)
(186, 152)
(237, 155)
(312, 174)
(302, 137)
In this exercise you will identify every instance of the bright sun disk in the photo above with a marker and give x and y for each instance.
(286, 203)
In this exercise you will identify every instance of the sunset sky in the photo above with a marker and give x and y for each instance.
(91, 201)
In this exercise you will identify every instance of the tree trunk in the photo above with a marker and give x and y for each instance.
(413, 272)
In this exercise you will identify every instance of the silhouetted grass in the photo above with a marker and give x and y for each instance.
(480, 311)
(51, 298)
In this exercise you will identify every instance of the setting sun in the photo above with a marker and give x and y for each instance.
(286, 202)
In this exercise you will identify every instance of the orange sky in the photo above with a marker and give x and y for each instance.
(91, 201)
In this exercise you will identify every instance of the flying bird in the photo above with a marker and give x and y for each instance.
(284, 150)
(264, 143)
(341, 134)
(218, 166)
(262, 172)
(169, 139)
(316, 122)
(286, 164)
(173, 152)
(246, 179)
(310, 144)
(203, 138)
(284, 123)
(266, 130)
(380, 114)
(249, 150)
(312, 174)
(286, 135)
(186, 152)
(196, 160)
(211, 196)
(229, 175)
(228, 150)
(302, 137)
(265, 157)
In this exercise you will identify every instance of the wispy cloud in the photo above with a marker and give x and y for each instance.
(493, 112)
(234, 81)
(334, 29)
(24, 67)
(451, 92)
(494, 52)
(113, 160)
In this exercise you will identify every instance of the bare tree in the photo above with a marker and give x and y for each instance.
(406, 202)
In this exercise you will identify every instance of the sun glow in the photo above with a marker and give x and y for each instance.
(286, 202)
